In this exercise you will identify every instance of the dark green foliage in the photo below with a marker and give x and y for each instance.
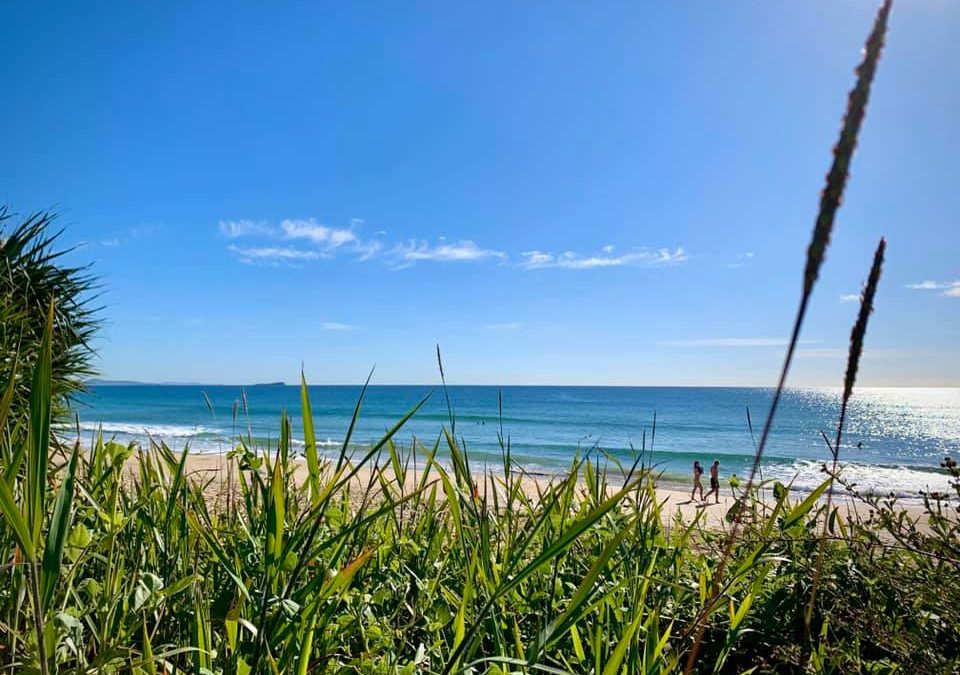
(32, 275)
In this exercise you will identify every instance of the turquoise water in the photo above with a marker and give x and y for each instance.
(904, 432)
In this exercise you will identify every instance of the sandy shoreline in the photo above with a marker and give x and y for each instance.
(210, 469)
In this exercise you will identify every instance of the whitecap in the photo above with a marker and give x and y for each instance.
(901, 481)
(141, 430)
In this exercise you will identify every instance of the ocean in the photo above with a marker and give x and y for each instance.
(894, 440)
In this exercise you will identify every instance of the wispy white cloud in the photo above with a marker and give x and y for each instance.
(951, 289)
(465, 250)
(366, 250)
(509, 325)
(141, 231)
(333, 325)
(925, 286)
(145, 230)
(730, 342)
(323, 241)
(741, 260)
(317, 233)
(850, 297)
(274, 254)
(535, 260)
(234, 229)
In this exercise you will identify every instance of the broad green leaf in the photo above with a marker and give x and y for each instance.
(799, 511)
(15, 519)
(276, 510)
(38, 445)
(58, 531)
(201, 635)
(310, 441)
(613, 664)
(149, 665)
(178, 479)
(343, 578)
(306, 648)
(577, 645)
(741, 613)
(460, 621)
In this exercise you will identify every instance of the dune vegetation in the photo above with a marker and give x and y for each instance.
(117, 560)
(401, 559)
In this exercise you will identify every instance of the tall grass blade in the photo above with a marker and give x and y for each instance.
(16, 521)
(149, 666)
(39, 437)
(830, 200)
(857, 335)
(615, 662)
(451, 417)
(11, 389)
(202, 661)
(275, 520)
(59, 529)
(310, 441)
(217, 549)
(554, 548)
(586, 588)
(353, 422)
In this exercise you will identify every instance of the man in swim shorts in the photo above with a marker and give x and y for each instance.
(714, 482)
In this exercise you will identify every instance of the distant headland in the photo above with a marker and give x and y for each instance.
(129, 383)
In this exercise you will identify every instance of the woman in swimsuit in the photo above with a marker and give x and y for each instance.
(697, 485)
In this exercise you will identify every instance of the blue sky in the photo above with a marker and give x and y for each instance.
(596, 193)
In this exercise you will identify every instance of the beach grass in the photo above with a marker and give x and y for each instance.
(126, 559)
(121, 560)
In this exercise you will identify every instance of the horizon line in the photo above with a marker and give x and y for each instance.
(283, 383)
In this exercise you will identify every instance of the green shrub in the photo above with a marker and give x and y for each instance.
(32, 275)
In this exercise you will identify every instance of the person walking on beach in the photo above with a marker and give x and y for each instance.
(714, 482)
(697, 485)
